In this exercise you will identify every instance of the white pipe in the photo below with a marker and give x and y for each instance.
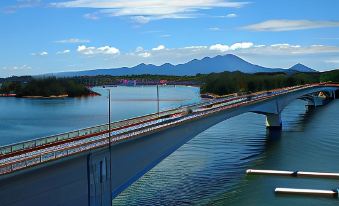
(325, 193)
(293, 173)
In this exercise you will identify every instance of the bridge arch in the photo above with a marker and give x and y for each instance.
(272, 108)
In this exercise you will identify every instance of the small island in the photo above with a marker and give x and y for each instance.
(46, 88)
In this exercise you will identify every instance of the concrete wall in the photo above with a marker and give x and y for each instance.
(59, 183)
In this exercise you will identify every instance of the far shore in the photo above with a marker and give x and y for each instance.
(49, 97)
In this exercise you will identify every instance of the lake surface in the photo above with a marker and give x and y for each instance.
(209, 169)
(23, 119)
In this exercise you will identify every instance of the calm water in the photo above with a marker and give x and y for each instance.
(209, 169)
(23, 119)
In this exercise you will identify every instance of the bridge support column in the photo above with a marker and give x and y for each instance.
(273, 121)
(99, 179)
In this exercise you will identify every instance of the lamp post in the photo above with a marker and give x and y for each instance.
(158, 103)
(109, 142)
(109, 114)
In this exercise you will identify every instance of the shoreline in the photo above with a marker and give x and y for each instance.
(49, 97)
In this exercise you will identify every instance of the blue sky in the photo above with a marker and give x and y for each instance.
(46, 36)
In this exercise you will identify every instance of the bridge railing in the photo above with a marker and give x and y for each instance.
(45, 141)
(50, 155)
(100, 140)
(59, 138)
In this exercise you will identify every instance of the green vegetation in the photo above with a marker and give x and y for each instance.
(46, 87)
(222, 83)
(330, 76)
(217, 83)
(10, 87)
(232, 82)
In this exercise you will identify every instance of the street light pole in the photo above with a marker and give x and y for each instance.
(158, 103)
(109, 143)
(109, 115)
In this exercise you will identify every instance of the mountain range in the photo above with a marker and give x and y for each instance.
(206, 65)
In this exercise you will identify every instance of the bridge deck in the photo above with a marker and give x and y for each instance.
(31, 153)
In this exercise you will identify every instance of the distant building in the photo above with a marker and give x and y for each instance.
(126, 82)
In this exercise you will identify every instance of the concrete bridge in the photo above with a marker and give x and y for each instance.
(91, 166)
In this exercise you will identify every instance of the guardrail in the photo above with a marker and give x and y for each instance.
(69, 136)
(50, 155)
(58, 153)
(100, 132)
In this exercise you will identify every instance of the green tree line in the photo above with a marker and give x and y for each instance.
(217, 83)
(45, 87)
(231, 82)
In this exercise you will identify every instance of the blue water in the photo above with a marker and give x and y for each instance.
(24, 119)
(209, 169)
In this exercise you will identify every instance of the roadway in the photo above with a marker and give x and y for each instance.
(39, 151)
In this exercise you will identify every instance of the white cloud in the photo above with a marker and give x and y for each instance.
(231, 15)
(220, 47)
(108, 50)
(145, 54)
(241, 45)
(86, 50)
(144, 11)
(196, 47)
(73, 41)
(66, 51)
(98, 50)
(158, 48)
(43, 53)
(289, 25)
(285, 46)
(236, 46)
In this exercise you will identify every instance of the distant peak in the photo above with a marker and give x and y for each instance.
(302, 68)
(167, 64)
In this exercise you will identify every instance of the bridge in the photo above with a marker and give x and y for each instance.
(93, 165)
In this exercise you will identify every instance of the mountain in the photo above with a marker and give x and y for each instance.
(301, 68)
(206, 65)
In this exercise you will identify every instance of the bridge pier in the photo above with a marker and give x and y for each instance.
(316, 101)
(99, 178)
(273, 121)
